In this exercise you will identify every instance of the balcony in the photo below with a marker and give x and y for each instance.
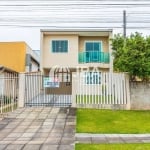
(94, 57)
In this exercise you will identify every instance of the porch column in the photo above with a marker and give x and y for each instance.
(21, 98)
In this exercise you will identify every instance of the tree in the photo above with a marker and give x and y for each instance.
(132, 55)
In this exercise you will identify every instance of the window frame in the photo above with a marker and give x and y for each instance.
(58, 41)
(94, 41)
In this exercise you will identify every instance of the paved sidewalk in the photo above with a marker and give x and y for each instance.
(112, 138)
(38, 129)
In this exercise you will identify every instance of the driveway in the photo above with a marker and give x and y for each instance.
(38, 128)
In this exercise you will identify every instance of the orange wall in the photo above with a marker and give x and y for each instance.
(12, 55)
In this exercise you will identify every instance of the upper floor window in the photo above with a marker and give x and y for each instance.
(59, 46)
(93, 46)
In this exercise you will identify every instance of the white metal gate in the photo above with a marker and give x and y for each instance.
(41, 91)
(8, 93)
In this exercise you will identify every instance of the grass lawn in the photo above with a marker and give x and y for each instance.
(112, 147)
(112, 121)
(95, 99)
(8, 108)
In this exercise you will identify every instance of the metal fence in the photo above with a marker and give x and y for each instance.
(45, 91)
(103, 90)
(8, 92)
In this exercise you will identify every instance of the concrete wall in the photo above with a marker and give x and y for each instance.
(12, 55)
(140, 95)
(50, 59)
(32, 60)
(35, 66)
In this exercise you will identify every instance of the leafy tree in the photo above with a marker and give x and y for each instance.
(132, 55)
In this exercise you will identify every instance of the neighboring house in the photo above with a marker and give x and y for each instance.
(74, 49)
(18, 56)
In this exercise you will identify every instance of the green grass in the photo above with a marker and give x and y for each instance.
(8, 108)
(112, 147)
(112, 121)
(93, 99)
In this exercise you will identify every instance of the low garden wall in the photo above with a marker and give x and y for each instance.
(140, 95)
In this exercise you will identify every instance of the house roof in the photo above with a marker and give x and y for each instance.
(81, 32)
(6, 69)
(77, 30)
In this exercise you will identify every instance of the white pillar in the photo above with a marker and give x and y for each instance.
(21, 98)
(128, 91)
(110, 52)
(74, 88)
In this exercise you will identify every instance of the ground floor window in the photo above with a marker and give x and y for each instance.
(92, 77)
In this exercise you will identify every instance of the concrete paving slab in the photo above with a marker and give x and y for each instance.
(19, 130)
(66, 147)
(38, 129)
(48, 147)
(2, 126)
(67, 141)
(6, 142)
(2, 146)
(28, 135)
(41, 135)
(70, 135)
(23, 139)
(14, 147)
(55, 135)
(20, 142)
(32, 147)
(53, 141)
(14, 135)
(9, 139)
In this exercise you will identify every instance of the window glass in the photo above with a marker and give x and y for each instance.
(93, 46)
(59, 46)
(92, 77)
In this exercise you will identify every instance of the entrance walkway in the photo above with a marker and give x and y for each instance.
(38, 129)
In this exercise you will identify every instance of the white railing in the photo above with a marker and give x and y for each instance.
(102, 90)
(8, 93)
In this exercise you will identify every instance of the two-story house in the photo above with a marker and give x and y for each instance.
(64, 52)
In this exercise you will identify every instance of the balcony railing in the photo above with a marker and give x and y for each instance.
(94, 57)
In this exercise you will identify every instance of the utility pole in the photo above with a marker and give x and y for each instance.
(124, 24)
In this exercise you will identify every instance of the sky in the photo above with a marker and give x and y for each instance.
(21, 20)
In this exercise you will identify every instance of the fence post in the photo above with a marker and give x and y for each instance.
(21, 92)
(74, 88)
(128, 91)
